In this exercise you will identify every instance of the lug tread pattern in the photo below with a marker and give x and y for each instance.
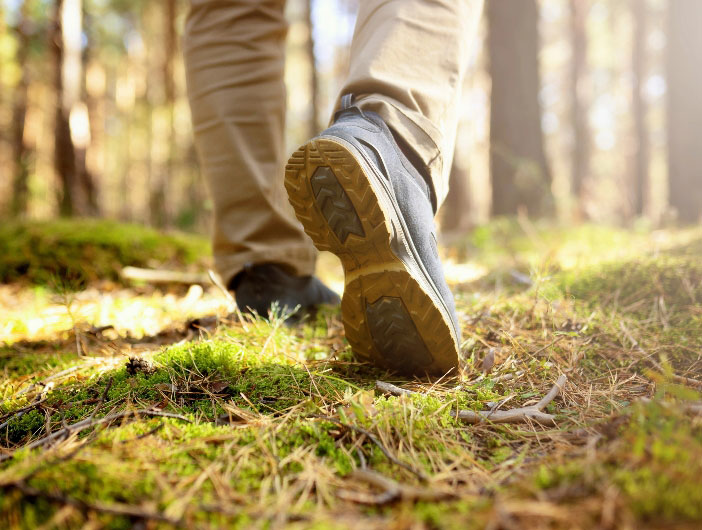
(335, 205)
(395, 336)
(426, 318)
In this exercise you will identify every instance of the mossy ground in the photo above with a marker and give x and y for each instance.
(271, 422)
(71, 253)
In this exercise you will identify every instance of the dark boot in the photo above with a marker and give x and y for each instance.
(257, 287)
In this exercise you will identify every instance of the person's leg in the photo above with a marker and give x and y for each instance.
(407, 63)
(234, 57)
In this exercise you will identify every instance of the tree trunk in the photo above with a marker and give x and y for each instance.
(639, 107)
(20, 153)
(580, 162)
(162, 172)
(314, 82)
(72, 130)
(519, 173)
(87, 179)
(64, 152)
(684, 57)
(95, 88)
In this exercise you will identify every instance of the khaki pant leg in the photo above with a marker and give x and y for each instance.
(234, 57)
(407, 63)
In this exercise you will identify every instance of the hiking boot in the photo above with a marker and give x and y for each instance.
(257, 287)
(358, 196)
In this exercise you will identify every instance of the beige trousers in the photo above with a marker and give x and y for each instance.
(407, 63)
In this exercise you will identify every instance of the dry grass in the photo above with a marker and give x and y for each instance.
(268, 426)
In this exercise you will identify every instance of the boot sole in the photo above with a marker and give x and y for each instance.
(392, 314)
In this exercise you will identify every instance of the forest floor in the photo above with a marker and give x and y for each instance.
(121, 408)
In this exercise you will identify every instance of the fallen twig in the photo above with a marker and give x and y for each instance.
(508, 377)
(519, 415)
(377, 442)
(389, 388)
(392, 491)
(163, 276)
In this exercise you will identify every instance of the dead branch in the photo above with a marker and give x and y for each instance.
(519, 415)
(553, 393)
(392, 491)
(389, 388)
(163, 276)
(377, 442)
(508, 377)
(111, 508)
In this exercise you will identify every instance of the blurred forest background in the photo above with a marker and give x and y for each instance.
(577, 110)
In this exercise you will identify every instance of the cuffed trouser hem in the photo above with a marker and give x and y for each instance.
(301, 260)
(417, 132)
(407, 63)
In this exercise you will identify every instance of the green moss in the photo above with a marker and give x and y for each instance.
(279, 446)
(66, 254)
(656, 462)
(26, 425)
(637, 287)
(15, 363)
(187, 374)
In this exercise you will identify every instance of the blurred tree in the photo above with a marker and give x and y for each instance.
(95, 85)
(5, 175)
(314, 82)
(580, 156)
(78, 195)
(20, 152)
(684, 58)
(162, 175)
(639, 106)
(518, 169)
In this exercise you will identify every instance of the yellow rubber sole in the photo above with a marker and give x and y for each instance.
(390, 317)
